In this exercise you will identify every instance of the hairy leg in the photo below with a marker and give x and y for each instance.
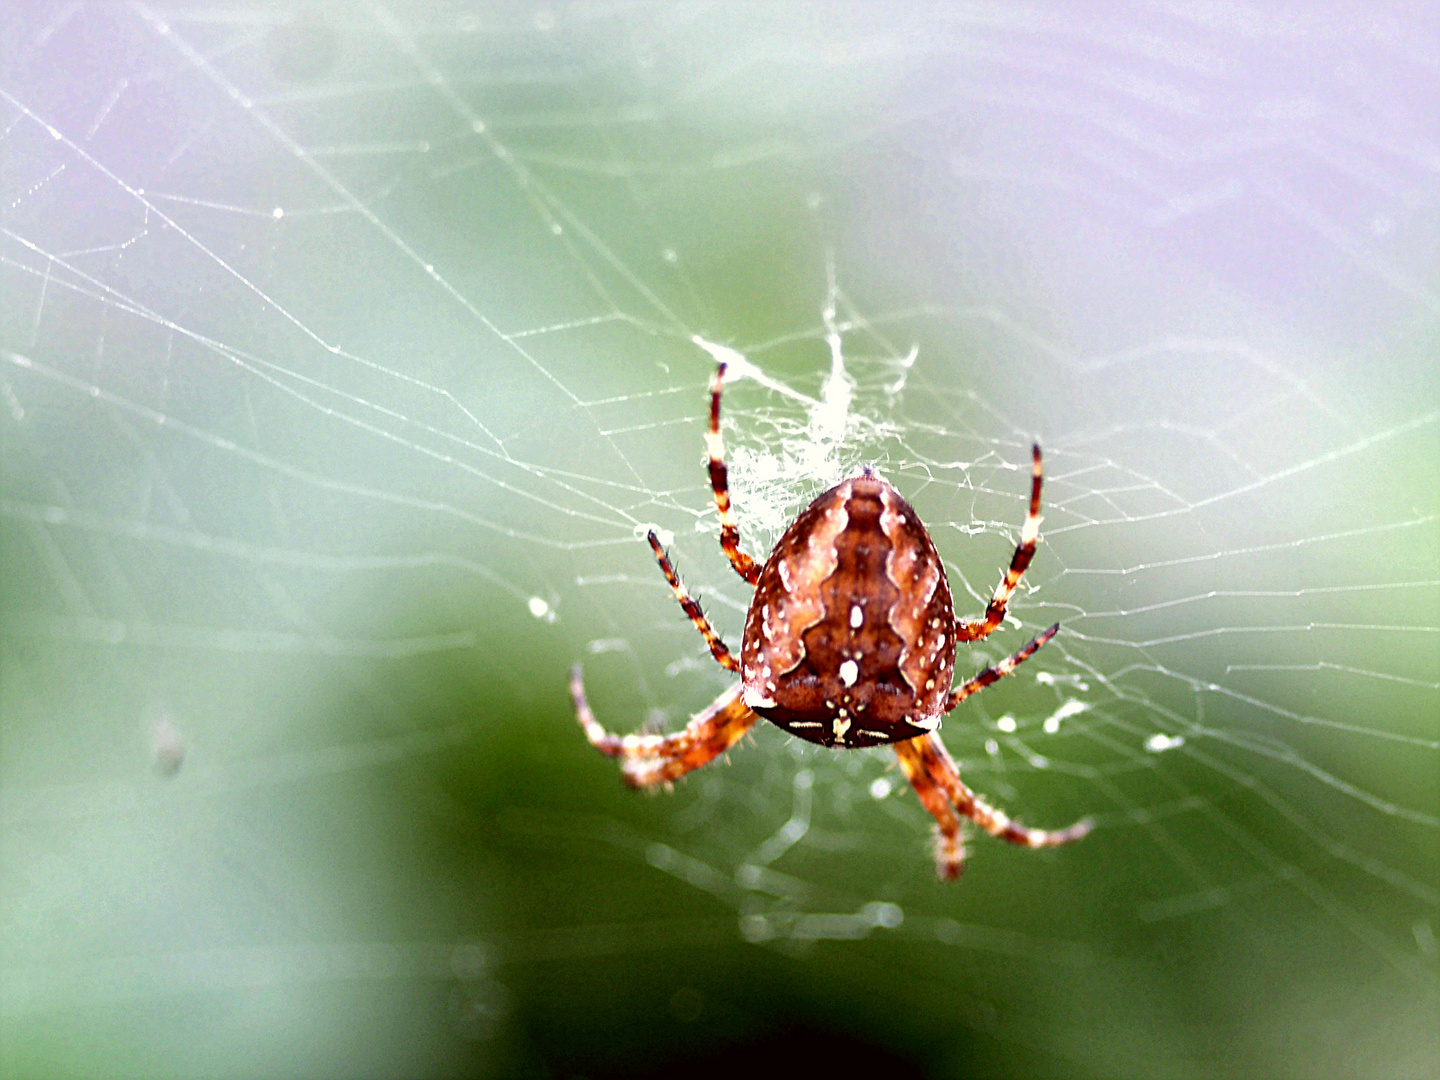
(926, 758)
(949, 847)
(648, 760)
(975, 629)
(744, 565)
(722, 655)
(999, 671)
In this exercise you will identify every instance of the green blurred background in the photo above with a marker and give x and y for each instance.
(346, 355)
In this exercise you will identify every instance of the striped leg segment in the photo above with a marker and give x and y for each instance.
(722, 655)
(927, 758)
(999, 671)
(744, 565)
(648, 760)
(993, 821)
(975, 629)
(949, 847)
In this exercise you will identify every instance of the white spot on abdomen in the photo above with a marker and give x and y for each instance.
(849, 672)
(857, 616)
(757, 700)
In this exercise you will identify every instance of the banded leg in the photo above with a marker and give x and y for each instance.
(999, 671)
(927, 757)
(649, 760)
(975, 629)
(949, 846)
(744, 565)
(722, 655)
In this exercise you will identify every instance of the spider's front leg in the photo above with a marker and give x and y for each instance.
(998, 671)
(723, 656)
(744, 565)
(975, 629)
(925, 759)
(648, 760)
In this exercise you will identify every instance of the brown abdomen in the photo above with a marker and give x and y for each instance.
(850, 637)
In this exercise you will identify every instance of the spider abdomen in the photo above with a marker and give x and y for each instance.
(850, 640)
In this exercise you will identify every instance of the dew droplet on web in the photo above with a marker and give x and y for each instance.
(1067, 710)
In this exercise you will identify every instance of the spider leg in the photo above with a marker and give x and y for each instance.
(949, 846)
(649, 760)
(744, 565)
(975, 629)
(998, 671)
(927, 758)
(722, 655)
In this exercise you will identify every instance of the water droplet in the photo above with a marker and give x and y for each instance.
(1159, 742)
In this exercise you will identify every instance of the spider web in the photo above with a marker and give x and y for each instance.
(347, 355)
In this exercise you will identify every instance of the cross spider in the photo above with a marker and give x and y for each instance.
(849, 642)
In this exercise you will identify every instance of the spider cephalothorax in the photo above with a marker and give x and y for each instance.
(850, 641)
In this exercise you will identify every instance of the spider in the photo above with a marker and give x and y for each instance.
(849, 642)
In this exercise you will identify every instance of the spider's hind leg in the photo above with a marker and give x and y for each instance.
(930, 768)
(949, 846)
(649, 760)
